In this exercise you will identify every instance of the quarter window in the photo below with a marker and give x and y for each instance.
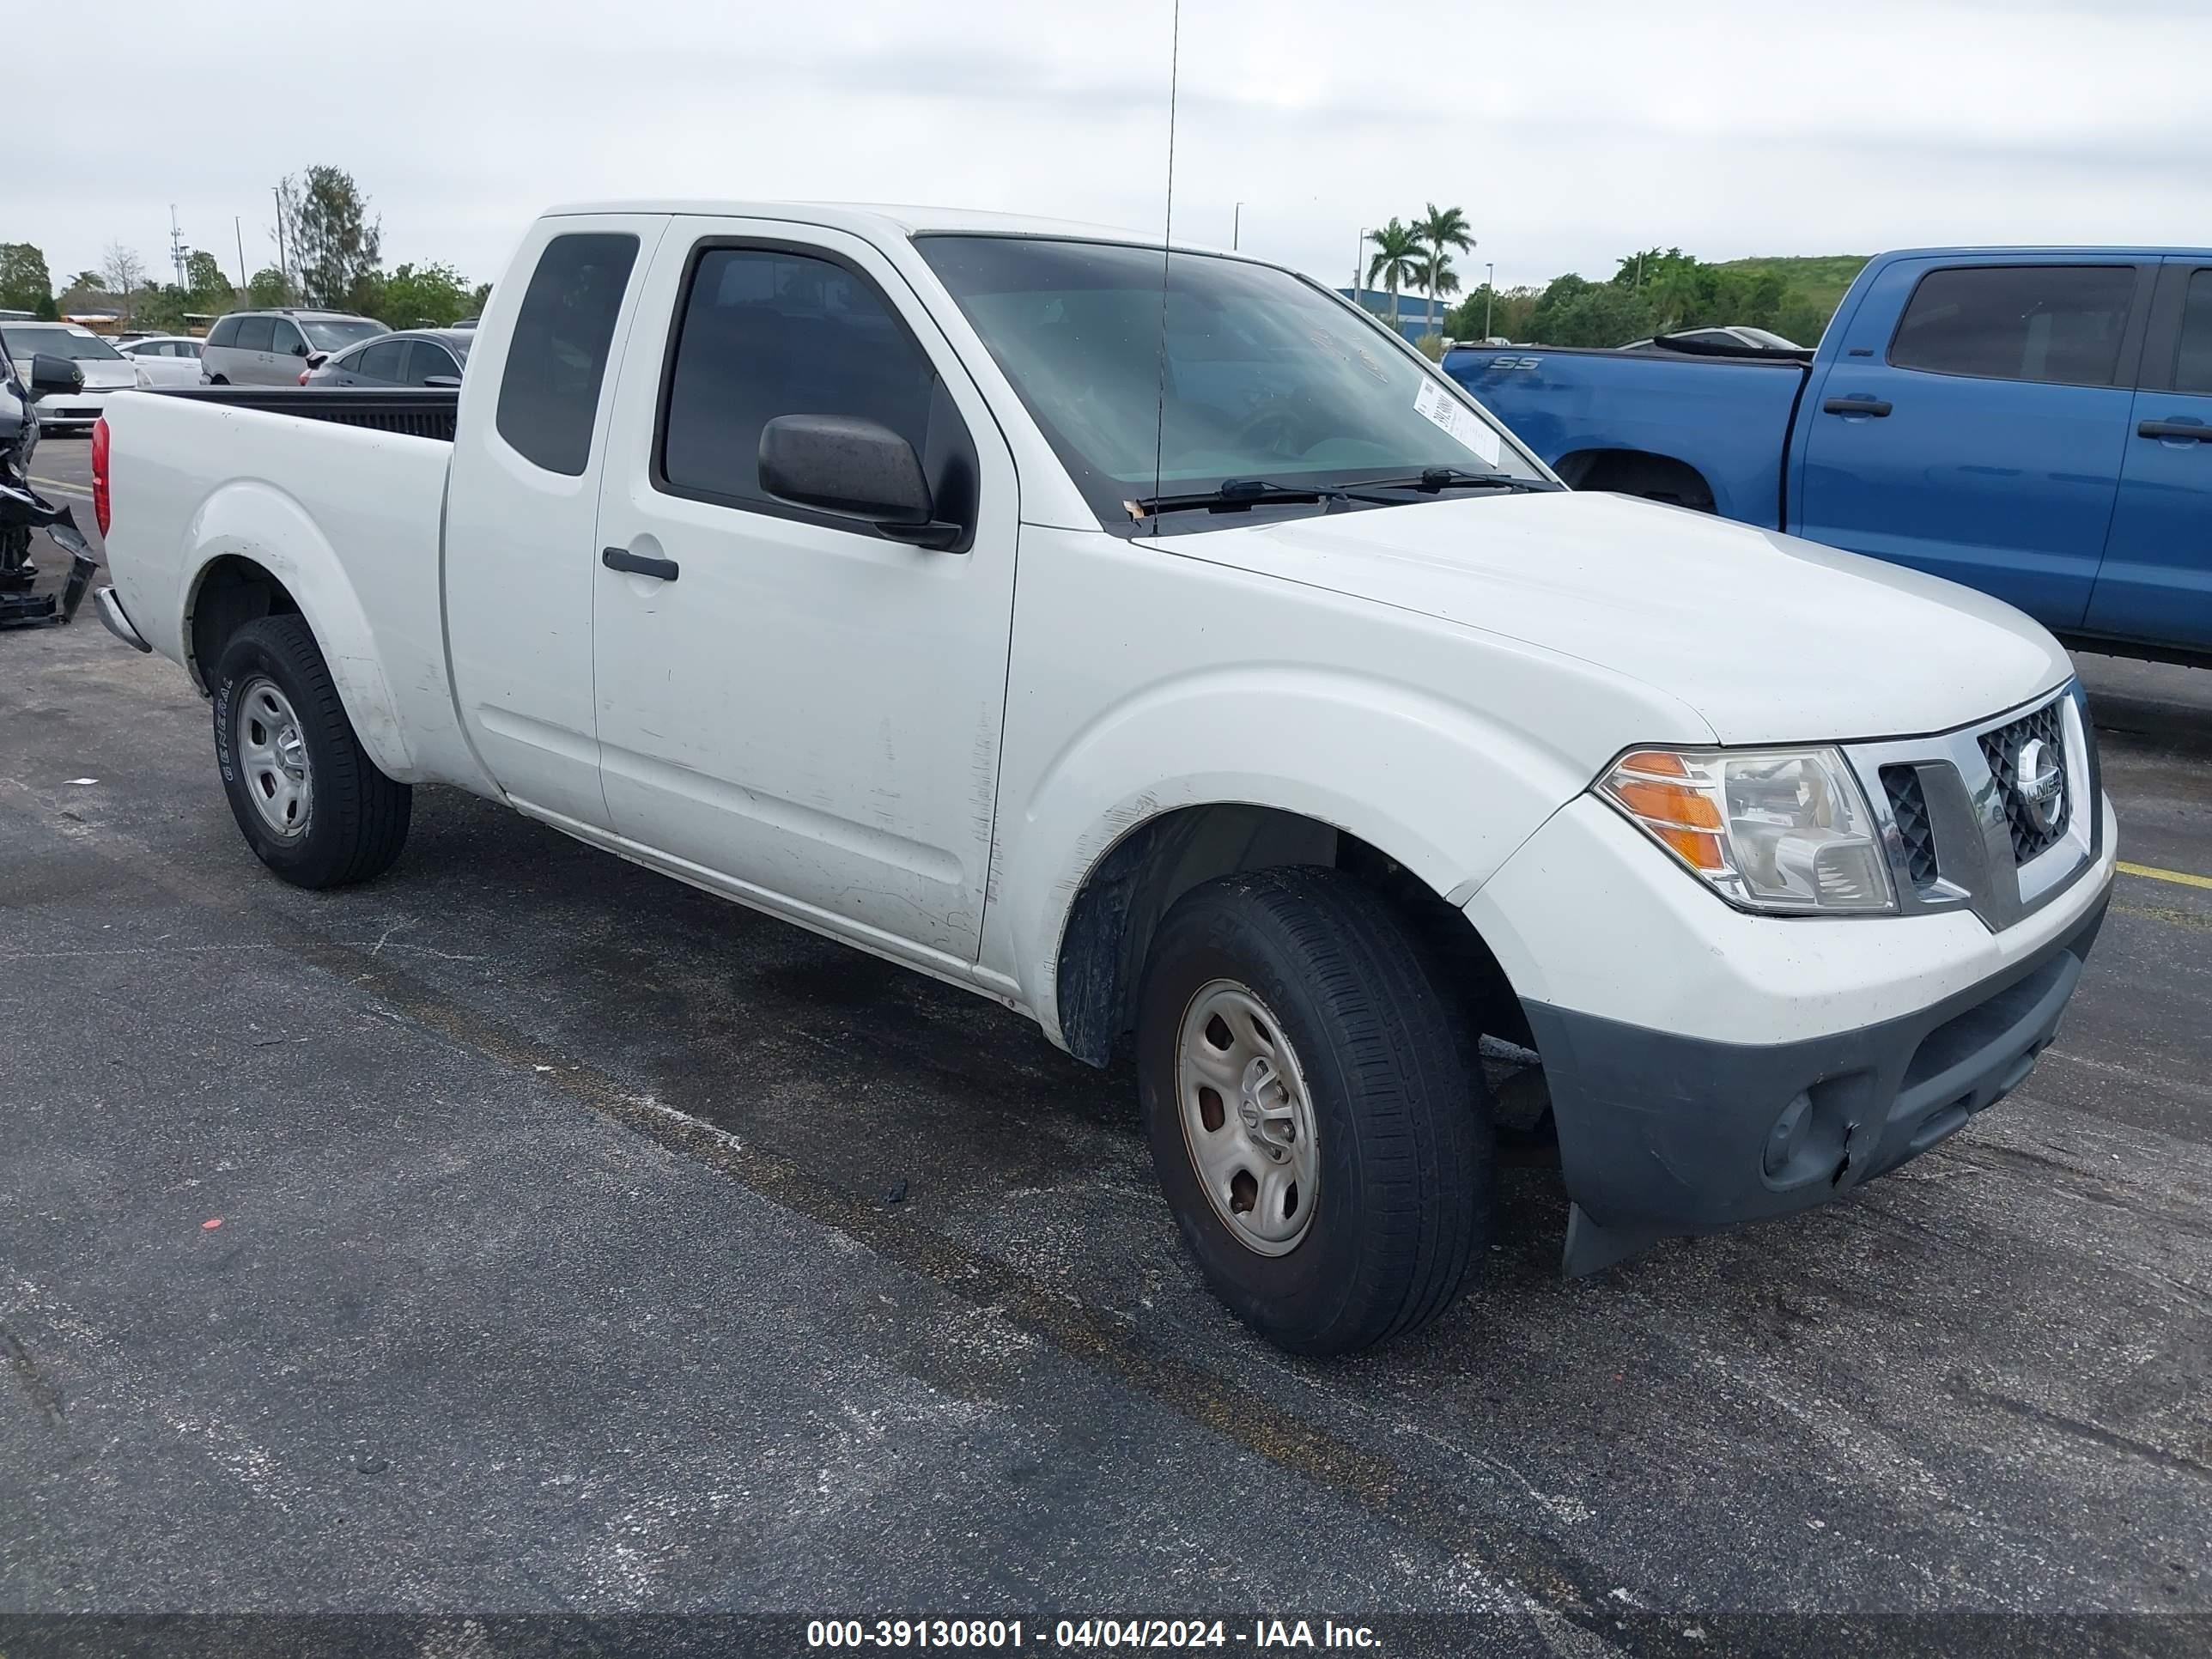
(557, 353)
(768, 332)
(427, 360)
(225, 332)
(380, 361)
(2192, 366)
(2060, 324)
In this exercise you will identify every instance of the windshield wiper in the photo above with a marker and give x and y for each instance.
(1430, 480)
(1239, 495)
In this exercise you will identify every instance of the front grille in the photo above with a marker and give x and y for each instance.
(1909, 807)
(2001, 749)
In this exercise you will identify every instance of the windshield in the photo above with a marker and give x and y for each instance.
(326, 334)
(25, 343)
(1259, 375)
(1769, 338)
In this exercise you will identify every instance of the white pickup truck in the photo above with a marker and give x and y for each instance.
(1150, 641)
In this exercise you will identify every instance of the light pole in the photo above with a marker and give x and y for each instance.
(283, 268)
(1489, 293)
(1235, 226)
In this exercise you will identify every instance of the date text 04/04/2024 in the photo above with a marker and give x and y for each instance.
(986, 1633)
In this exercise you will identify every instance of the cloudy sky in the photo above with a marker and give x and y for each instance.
(1569, 135)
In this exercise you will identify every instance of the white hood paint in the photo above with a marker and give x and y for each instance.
(1771, 639)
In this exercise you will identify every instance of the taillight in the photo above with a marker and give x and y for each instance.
(303, 377)
(99, 472)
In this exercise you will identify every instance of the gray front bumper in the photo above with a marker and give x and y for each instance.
(1662, 1135)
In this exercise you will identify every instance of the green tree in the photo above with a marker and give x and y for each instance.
(163, 309)
(421, 296)
(1505, 312)
(267, 288)
(1396, 262)
(205, 284)
(1574, 311)
(330, 242)
(25, 284)
(1440, 231)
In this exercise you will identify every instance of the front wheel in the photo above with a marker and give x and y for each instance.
(1315, 1121)
(308, 800)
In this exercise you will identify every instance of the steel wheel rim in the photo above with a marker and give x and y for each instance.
(1248, 1120)
(273, 759)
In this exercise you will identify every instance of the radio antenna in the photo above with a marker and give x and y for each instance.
(1167, 244)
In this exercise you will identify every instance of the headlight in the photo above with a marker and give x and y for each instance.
(1785, 830)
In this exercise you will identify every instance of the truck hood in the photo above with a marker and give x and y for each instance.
(1769, 638)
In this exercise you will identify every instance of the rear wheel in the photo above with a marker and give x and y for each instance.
(308, 800)
(1314, 1117)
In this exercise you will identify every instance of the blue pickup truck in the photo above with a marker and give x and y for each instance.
(2035, 422)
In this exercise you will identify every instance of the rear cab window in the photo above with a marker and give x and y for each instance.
(2061, 324)
(2192, 362)
(556, 352)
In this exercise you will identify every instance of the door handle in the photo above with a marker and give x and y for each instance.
(621, 558)
(2201, 434)
(1854, 406)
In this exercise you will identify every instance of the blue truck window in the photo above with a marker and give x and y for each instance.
(556, 354)
(2060, 324)
(2192, 364)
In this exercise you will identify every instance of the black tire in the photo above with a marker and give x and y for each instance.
(217, 379)
(357, 817)
(1402, 1117)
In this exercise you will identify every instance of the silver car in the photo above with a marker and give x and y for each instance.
(107, 371)
(269, 347)
(414, 356)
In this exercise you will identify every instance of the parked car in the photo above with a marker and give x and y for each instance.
(164, 359)
(269, 347)
(105, 372)
(2036, 423)
(1324, 732)
(415, 356)
(1730, 337)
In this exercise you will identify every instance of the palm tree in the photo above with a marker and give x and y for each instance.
(1440, 230)
(1435, 274)
(1396, 262)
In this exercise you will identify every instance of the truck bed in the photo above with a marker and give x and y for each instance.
(1725, 414)
(344, 503)
(416, 411)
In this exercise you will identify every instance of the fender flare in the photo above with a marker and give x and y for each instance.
(256, 521)
(1444, 792)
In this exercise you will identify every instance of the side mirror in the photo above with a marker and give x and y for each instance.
(856, 469)
(51, 373)
(299, 348)
(443, 382)
(317, 359)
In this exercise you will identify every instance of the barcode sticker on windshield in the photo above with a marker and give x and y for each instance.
(1439, 406)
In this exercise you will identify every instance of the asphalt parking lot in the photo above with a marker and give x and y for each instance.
(588, 1244)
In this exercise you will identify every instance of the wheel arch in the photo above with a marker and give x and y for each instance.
(1119, 904)
(1643, 472)
(257, 552)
